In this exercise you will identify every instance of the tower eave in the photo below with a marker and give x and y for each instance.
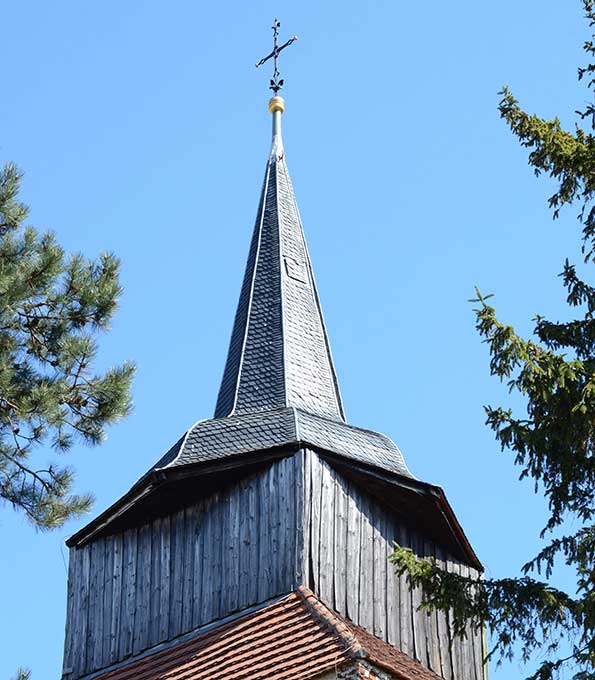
(214, 451)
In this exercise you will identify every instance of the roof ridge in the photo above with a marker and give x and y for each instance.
(331, 620)
(320, 640)
(260, 222)
(351, 633)
(182, 441)
(374, 656)
(282, 301)
(327, 343)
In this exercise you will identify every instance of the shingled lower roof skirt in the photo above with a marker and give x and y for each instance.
(279, 354)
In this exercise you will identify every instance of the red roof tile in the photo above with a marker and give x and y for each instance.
(294, 638)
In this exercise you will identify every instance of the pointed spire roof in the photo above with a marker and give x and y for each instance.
(279, 354)
(279, 390)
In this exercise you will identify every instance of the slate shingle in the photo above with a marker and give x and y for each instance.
(279, 353)
(279, 386)
(211, 440)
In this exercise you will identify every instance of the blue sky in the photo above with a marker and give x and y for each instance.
(143, 129)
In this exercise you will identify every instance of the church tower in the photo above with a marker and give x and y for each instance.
(256, 547)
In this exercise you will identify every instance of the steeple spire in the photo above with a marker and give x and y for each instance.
(279, 354)
(270, 515)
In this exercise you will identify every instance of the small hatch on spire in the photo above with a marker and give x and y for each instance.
(276, 82)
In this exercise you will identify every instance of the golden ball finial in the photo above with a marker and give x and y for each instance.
(277, 104)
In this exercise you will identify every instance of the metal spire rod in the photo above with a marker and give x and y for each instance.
(276, 83)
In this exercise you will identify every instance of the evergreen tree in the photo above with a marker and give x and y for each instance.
(553, 442)
(51, 309)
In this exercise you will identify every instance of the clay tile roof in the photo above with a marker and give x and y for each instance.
(294, 638)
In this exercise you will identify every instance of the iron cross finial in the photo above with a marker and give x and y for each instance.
(276, 83)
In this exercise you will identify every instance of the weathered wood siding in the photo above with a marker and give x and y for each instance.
(130, 591)
(348, 539)
(299, 521)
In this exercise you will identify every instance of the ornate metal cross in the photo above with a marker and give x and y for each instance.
(276, 84)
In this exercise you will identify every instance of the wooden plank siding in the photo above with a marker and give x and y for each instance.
(299, 521)
(356, 580)
(133, 590)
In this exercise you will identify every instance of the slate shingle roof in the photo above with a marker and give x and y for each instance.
(279, 353)
(218, 438)
(279, 385)
(294, 638)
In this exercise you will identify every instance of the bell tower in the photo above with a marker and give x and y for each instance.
(257, 546)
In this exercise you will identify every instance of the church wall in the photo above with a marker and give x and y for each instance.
(132, 590)
(347, 539)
